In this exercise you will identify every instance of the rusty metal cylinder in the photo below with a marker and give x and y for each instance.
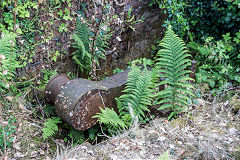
(53, 86)
(76, 101)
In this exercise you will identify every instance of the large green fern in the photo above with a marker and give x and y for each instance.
(10, 63)
(50, 127)
(172, 62)
(82, 55)
(134, 103)
(138, 92)
(89, 46)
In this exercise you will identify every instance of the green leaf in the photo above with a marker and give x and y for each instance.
(165, 106)
(173, 61)
(212, 84)
(50, 126)
(27, 14)
(109, 117)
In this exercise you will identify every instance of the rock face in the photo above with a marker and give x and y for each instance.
(132, 35)
(127, 44)
(130, 40)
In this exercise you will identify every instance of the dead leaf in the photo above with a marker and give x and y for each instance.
(5, 157)
(5, 72)
(201, 102)
(118, 38)
(2, 57)
(10, 98)
(232, 130)
(161, 138)
(40, 1)
(4, 123)
(20, 106)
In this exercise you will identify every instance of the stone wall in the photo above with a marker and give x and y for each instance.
(134, 44)
(125, 44)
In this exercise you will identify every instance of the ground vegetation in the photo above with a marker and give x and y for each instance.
(193, 76)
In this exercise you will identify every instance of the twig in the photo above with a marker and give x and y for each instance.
(14, 19)
(104, 135)
(40, 105)
(4, 135)
(234, 88)
(26, 81)
(1, 153)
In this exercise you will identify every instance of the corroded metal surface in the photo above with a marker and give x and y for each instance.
(76, 101)
(87, 107)
(53, 86)
(115, 80)
(115, 85)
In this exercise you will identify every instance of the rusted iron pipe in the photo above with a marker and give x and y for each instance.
(76, 101)
(53, 86)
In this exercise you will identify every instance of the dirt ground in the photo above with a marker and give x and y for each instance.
(211, 131)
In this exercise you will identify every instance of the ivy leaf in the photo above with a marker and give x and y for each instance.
(212, 83)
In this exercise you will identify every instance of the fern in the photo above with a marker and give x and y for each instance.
(77, 136)
(138, 92)
(83, 32)
(10, 63)
(172, 62)
(88, 45)
(111, 119)
(50, 127)
(49, 110)
(82, 55)
(134, 103)
(164, 156)
(204, 51)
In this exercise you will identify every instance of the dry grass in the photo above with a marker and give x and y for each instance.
(27, 139)
(210, 131)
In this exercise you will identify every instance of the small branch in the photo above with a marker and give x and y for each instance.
(14, 15)
(4, 135)
(234, 88)
(14, 21)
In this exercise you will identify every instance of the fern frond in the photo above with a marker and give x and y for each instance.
(78, 43)
(83, 32)
(138, 91)
(88, 46)
(10, 63)
(110, 118)
(172, 62)
(76, 135)
(82, 55)
(50, 126)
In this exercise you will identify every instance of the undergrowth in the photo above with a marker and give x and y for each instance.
(218, 63)
(9, 63)
(25, 33)
(141, 90)
(90, 46)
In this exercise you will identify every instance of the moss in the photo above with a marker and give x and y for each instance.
(180, 122)
(235, 103)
